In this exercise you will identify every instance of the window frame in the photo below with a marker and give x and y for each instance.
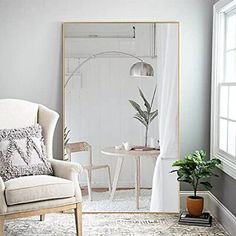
(221, 8)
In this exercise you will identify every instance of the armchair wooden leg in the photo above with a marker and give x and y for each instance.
(78, 219)
(42, 217)
(1, 226)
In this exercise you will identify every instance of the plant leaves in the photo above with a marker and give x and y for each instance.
(141, 119)
(144, 116)
(66, 134)
(195, 168)
(146, 103)
(147, 116)
(153, 96)
(138, 109)
(207, 185)
(184, 179)
(66, 141)
(153, 115)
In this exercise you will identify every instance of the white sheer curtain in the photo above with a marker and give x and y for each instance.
(165, 188)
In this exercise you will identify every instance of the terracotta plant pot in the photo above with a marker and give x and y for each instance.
(195, 205)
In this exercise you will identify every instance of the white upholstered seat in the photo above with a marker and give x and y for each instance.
(37, 188)
(38, 195)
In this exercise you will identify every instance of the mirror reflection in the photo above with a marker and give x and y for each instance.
(121, 113)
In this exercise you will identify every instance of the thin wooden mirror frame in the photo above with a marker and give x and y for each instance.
(179, 101)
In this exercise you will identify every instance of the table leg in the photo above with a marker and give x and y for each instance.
(116, 177)
(137, 180)
(88, 175)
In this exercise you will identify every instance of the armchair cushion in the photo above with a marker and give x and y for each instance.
(29, 189)
(22, 153)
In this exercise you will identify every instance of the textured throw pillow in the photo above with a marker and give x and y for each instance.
(23, 153)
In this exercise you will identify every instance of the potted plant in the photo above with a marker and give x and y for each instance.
(195, 170)
(145, 116)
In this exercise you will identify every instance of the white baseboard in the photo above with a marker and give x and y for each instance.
(215, 207)
(222, 214)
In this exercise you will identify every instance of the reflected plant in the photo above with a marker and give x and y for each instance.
(66, 140)
(145, 116)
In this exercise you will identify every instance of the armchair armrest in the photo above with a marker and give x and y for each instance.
(3, 205)
(70, 171)
(65, 169)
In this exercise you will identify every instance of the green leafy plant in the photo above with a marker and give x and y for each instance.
(145, 116)
(194, 169)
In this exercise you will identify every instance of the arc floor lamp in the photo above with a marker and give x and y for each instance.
(139, 69)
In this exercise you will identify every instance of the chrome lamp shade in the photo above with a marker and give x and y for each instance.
(141, 69)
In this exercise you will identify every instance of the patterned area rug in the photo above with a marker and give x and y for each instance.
(124, 201)
(109, 225)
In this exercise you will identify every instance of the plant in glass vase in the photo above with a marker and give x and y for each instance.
(147, 115)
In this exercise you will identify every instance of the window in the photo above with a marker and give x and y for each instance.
(223, 120)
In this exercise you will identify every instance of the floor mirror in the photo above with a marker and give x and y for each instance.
(121, 113)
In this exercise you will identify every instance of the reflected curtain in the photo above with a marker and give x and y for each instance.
(165, 188)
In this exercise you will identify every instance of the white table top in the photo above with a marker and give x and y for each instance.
(111, 151)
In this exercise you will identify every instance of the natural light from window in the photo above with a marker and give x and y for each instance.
(227, 98)
(223, 133)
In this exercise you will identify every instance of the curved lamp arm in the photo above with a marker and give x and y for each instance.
(95, 55)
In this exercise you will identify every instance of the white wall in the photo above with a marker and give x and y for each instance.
(97, 111)
(31, 54)
(96, 99)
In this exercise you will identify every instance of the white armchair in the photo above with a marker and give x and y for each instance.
(39, 194)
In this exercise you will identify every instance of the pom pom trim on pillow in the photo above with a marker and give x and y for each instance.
(23, 153)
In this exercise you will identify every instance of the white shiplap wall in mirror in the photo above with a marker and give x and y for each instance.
(96, 102)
